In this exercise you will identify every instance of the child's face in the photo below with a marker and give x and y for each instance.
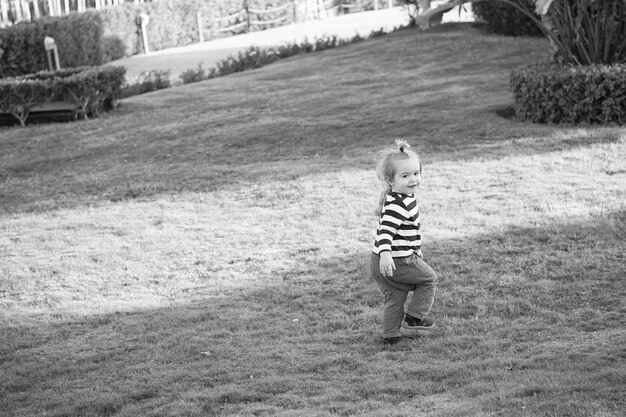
(407, 177)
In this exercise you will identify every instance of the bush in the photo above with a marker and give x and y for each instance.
(146, 82)
(78, 38)
(112, 48)
(256, 57)
(505, 19)
(550, 93)
(18, 97)
(586, 32)
(197, 74)
(90, 89)
(119, 23)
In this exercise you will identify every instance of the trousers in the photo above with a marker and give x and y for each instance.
(412, 274)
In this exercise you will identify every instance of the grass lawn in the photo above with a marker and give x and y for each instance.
(203, 250)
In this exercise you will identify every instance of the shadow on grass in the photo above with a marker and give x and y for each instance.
(536, 312)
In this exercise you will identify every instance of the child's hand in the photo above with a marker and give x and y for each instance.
(387, 265)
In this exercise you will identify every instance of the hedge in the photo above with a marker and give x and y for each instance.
(78, 36)
(90, 89)
(551, 93)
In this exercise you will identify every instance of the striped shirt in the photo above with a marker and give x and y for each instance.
(399, 226)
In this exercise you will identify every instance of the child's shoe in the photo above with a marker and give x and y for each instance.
(412, 323)
(391, 340)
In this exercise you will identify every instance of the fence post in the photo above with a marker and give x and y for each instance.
(245, 7)
(4, 10)
(36, 9)
(52, 53)
(18, 10)
(144, 19)
(200, 28)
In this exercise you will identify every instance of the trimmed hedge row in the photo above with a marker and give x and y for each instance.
(78, 38)
(256, 57)
(90, 89)
(551, 93)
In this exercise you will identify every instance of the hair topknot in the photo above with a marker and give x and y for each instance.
(402, 144)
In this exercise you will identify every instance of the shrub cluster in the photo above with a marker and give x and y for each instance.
(505, 19)
(551, 93)
(90, 89)
(256, 57)
(146, 82)
(78, 38)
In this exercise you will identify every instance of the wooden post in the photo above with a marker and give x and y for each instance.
(26, 9)
(18, 10)
(145, 19)
(200, 28)
(36, 11)
(4, 11)
(52, 53)
(66, 5)
(245, 7)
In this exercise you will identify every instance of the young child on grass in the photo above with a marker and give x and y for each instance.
(396, 264)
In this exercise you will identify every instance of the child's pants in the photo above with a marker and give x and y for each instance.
(411, 274)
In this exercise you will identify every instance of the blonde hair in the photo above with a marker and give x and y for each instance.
(386, 168)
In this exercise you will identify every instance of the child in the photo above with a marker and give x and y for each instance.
(396, 263)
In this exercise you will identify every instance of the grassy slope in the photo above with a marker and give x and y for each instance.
(203, 250)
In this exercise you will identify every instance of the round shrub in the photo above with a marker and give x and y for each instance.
(504, 19)
(551, 93)
(112, 48)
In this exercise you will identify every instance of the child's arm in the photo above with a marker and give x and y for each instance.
(387, 266)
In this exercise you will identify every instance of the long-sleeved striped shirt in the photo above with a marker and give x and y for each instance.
(399, 226)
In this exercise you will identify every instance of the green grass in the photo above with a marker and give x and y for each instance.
(203, 250)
